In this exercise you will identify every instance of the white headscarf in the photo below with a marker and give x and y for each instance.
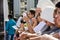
(44, 3)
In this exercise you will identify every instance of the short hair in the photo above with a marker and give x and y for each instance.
(32, 12)
(57, 5)
(10, 16)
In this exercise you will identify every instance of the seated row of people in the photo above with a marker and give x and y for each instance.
(33, 19)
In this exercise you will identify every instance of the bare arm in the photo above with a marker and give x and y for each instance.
(31, 26)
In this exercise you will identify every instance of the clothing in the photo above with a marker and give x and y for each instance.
(18, 22)
(44, 28)
(54, 29)
(10, 30)
(10, 37)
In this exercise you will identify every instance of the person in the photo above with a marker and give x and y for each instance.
(30, 20)
(46, 27)
(57, 19)
(9, 29)
(38, 12)
(18, 21)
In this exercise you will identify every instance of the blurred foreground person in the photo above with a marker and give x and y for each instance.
(57, 19)
(9, 29)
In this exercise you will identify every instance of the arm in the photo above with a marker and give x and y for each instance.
(7, 26)
(22, 27)
(56, 35)
(31, 26)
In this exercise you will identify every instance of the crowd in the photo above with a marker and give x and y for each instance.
(29, 20)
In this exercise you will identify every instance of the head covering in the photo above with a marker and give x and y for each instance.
(47, 14)
(44, 3)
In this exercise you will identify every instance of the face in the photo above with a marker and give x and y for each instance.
(30, 15)
(38, 11)
(57, 19)
(8, 17)
(39, 19)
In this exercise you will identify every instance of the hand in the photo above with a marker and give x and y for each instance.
(34, 22)
(21, 27)
(26, 18)
(33, 19)
(56, 35)
(23, 36)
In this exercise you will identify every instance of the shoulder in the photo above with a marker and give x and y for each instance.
(12, 21)
(33, 19)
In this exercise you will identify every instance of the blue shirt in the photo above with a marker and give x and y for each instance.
(10, 30)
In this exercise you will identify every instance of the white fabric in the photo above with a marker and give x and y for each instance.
(24, 14)
(18, 22)
(49, 37)
(47, 14)
(44, 3)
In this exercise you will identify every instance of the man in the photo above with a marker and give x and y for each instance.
(9, 29)
(57, 19)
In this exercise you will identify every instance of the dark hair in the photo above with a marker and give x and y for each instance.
(57, 5)
(55, 12)
(21, 15)
(32, 12)
(22, 21)
(10, 16)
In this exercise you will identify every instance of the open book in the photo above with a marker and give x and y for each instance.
(39, 27)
